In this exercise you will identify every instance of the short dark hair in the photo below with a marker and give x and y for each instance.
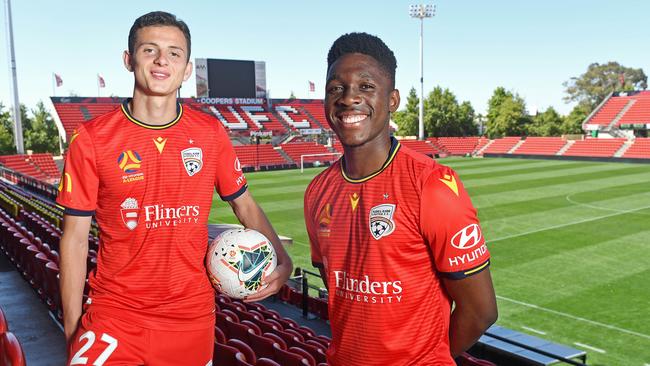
(159, 19)
(366, 44)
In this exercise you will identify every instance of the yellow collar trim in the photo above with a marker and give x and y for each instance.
(179, 114)
(391, 156)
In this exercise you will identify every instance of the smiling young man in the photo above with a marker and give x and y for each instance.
(394, 233)
(147, 171)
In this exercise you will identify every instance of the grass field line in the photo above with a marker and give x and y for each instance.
(589, 347)
(568, 198)
(621, 212)
(533, 330)
(592, 322)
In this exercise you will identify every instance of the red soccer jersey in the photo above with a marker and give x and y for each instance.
(150, 188)
(384, 242)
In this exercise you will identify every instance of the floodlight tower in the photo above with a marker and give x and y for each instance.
(18, 127)
(421, 11)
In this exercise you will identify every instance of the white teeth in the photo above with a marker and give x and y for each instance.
(353, 118)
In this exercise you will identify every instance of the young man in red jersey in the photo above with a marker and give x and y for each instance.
(147, 171)
(394, 233)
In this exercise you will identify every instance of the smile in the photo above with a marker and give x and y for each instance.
(353, 118)
(159, 75)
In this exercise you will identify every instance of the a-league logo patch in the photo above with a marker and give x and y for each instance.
(381, 220)
(192, 160)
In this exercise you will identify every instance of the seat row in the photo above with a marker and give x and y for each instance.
(265, 334)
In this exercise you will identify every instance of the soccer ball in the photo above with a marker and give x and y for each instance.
(239, 260)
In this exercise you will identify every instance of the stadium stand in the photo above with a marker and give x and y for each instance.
(457, 146)
(424, 147)
(540, 146)
(595, 147)
(502, 145)
(620, 110)
(639, 111)
(640, 149)
(261, 157)
(300, 113)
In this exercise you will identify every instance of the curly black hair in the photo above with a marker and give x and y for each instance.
(159, 18)
(366, 44)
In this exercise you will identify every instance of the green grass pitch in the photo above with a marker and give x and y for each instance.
(570, 244)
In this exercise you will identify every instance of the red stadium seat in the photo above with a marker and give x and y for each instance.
(266, 362)
(4, 326)
(244, 348)
(11, 352)
(225, 355)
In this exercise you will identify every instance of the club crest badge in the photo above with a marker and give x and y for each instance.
(192, 160)
(130, 213)
(381, 220)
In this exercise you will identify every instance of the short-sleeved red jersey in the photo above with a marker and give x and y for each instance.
(384, 242)
(150, 188)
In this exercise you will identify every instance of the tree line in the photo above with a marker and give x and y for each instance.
(507, 114)
(39, 130)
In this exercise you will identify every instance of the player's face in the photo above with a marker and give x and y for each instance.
(159, 61)
(359, 98)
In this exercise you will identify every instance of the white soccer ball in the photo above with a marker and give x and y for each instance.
(238, 262)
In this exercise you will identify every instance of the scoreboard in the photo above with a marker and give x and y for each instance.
(219, 78)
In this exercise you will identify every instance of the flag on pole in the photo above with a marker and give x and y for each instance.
(100, 81)
(312, 86)
(58, 80)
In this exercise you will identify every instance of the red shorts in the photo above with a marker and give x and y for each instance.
(101, 340)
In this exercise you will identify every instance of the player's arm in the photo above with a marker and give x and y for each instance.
(74, 251)
(475, 309)
(250, 214)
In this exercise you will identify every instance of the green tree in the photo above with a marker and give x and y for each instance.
(547, 123)
(506, 114)
(466, 119)
(594, 85)
(407, 119)
(573, 122)
(6, 132)
(41, 134)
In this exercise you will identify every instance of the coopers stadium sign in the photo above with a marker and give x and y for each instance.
(231, 101)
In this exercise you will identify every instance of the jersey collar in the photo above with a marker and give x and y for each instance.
(394, 147)
(127, 113)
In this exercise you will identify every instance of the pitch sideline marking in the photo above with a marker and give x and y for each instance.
(589, 347)
(592, 322)
(567, 224)
(568, 198)
(533, 330)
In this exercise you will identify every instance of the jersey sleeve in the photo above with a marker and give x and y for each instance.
(230, 181)
(316, 257)
(450, 225)
(79, 182)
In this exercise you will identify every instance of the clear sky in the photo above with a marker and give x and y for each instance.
(471, 47)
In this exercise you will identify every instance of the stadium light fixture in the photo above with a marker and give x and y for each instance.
(422, 11)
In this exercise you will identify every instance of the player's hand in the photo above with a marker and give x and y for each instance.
(274, 281)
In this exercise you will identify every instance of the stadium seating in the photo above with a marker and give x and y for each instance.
(631, 107)
(502, 145)
(540, 146)
(640, 149)
(606, 114)
(456, 146)
(639, 112)
(263, 155)
(595, 147)
(423, 147)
